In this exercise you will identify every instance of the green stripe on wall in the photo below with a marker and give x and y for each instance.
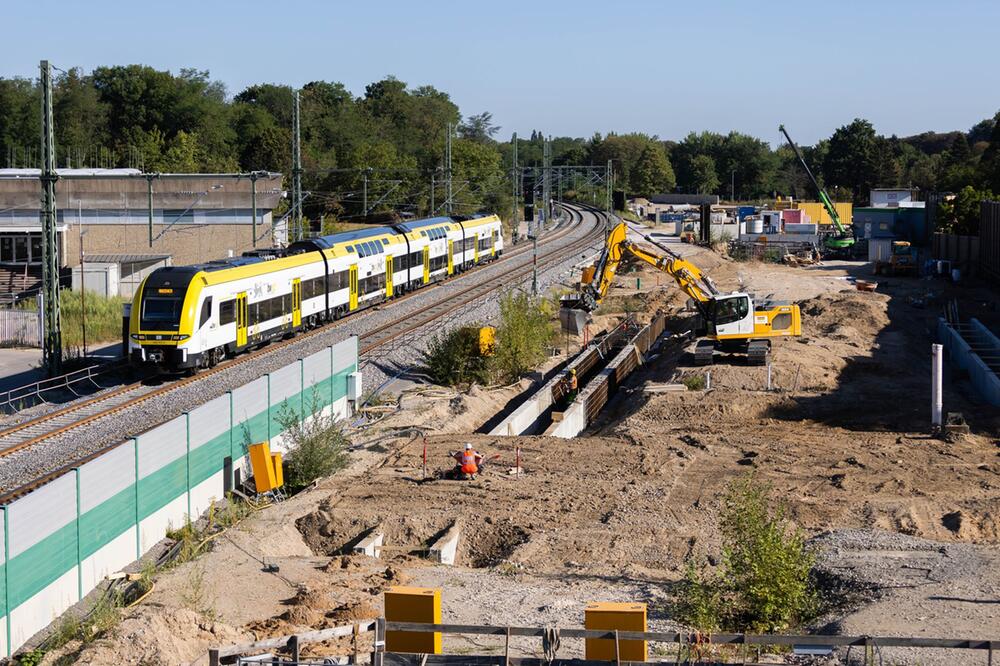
(107, 521)
(41, 564)
(162, 487)
(207, 459)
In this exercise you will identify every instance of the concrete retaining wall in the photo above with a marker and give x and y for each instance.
(964, 357)
(60, 540)
(595, 393)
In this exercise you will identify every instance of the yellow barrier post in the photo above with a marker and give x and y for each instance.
(413, 604)
(611, 616)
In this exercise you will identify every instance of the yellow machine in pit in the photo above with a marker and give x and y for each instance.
(730, 322)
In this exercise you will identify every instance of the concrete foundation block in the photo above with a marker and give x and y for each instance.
(445, 549)
(371, 545)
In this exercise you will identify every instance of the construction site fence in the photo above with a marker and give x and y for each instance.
(63, 534)
(20, 328)
(961, 251)
(989, 241)
(687, 648)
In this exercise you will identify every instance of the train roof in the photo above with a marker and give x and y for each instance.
(328, 241)
(415, 225)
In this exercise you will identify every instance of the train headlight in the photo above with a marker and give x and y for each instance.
(179, 337)
(138, 336)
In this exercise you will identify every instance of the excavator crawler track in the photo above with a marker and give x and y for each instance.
(758, 352)
(704, 352)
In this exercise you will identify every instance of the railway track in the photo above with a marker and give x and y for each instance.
(60, 423)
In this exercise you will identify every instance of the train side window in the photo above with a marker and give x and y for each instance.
(206, 312)
(227, 312)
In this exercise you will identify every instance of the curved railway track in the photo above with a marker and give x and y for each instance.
(61, 422)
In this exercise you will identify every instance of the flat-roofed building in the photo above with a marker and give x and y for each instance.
(195, 217)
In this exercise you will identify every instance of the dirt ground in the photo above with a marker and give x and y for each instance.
(907, 526)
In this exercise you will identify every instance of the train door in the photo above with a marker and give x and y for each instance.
(475, 248)
(451, 257)
(352, 277)
(388, 276)
(493, 243)
(427, 264)
(241, 319)
(296, 302)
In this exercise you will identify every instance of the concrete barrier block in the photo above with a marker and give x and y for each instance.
(445, 549)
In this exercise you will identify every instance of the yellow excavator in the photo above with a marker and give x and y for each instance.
(729, 322)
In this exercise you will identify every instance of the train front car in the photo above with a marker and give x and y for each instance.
(163, 319)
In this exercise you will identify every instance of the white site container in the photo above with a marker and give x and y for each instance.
(879, 249)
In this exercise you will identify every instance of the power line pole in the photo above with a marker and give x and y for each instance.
(296, 169)
(546, 181)
(447, 160)
(514, 177)
(253, 208)
(52, 352)
(607, 181)
(364, 196)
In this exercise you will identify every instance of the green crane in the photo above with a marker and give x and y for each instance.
(842, 240)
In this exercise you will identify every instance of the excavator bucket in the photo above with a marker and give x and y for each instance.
(574, 312)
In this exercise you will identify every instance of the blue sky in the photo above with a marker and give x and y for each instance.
(568, 68)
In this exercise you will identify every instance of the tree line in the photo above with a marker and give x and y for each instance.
(384, 149)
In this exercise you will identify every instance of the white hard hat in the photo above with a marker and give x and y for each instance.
(468, 447)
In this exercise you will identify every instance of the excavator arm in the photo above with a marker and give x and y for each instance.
(689, 278)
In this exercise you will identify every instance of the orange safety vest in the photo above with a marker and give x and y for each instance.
(572, 382)
(469, 462)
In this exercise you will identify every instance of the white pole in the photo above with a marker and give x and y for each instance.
(768, 376)
(708, 380)
(936, 403)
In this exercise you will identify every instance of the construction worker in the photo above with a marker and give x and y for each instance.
(570, 386)
(469, 462)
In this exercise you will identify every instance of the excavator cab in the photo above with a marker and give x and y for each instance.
(730, 315)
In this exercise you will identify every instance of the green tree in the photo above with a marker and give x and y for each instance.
(961, 215)
(479, 128)
(652, 172)
(704, 179)
(989, 165)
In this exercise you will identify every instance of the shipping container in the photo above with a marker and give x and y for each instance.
(743, 212)
(793, 216)
(806, 228)
(816, 212)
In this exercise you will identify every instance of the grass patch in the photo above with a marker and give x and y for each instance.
(104, 318)
(694, 382)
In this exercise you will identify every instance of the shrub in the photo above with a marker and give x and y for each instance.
(453, 358)
(764, 582)
(694, 382)
(317, 446)
(524, 332)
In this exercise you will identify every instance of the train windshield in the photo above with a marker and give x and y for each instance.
(162, 313)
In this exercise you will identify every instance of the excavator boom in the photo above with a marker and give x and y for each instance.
(698, 286)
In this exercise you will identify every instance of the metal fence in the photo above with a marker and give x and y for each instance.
(20, 328)
(678, 647)
(962, 251)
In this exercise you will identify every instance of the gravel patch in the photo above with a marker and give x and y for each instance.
(28, 464)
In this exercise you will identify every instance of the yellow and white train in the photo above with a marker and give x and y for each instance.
(190, 317)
